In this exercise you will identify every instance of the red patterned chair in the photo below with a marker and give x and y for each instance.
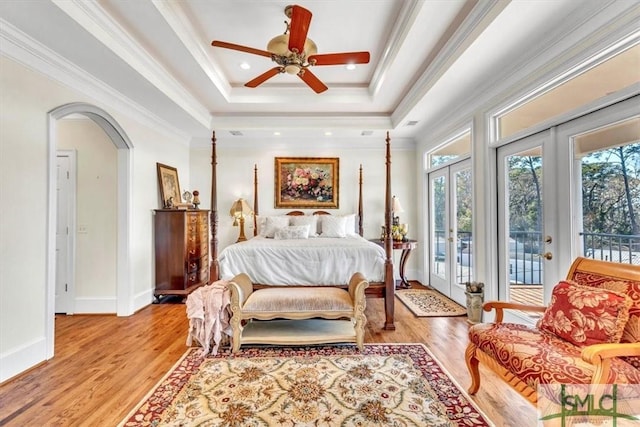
(590, 333)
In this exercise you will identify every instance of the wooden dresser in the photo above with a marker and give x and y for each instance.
(181, 251)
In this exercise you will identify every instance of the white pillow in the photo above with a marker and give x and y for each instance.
(292, 232)
(270, 224)
(350, 226)
(333, 226)
(310, 220)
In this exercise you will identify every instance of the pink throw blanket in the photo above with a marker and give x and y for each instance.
(209, 312)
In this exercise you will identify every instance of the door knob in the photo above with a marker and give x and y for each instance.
(547, 255)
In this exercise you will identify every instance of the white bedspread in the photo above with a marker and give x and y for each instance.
(313, 261)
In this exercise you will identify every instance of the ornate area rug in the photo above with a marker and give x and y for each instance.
(385, 385)
(429, 303)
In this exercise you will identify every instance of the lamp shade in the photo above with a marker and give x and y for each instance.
(396, 206)
(240, 208)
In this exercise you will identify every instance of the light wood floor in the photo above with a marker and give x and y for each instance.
(104, 365)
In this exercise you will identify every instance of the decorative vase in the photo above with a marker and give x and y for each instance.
(474, 306)
(475, 297)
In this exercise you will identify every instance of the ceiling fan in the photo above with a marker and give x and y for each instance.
(295, 53)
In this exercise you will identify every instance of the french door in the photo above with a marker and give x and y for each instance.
(546, 187)
(451, 238)
(527, 218)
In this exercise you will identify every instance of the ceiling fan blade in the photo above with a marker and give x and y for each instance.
(264, 77)
(340, 58)
(312, 81)
(218, 43)
(300, 20)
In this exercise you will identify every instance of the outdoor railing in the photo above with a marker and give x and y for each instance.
(612, 247)
(525, 249)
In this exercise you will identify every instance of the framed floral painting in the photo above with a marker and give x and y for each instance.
(306, 182)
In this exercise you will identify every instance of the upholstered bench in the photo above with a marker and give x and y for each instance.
(590, 334)
(297, 315)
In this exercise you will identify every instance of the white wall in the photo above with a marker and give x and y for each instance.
(96, 211)
(236, 162)
(26, 97)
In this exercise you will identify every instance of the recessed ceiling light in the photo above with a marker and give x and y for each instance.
(245, 66)
(328, 133)
(276, 133)
(351, 67)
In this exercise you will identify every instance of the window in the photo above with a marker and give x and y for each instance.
(453, 149)
(608, 77)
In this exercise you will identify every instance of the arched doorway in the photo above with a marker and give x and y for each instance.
(123, 145)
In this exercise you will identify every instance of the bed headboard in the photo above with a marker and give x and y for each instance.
(300, 213)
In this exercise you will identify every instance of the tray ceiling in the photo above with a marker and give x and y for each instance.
(426, 58)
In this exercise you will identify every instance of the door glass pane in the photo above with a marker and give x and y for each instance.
(524, 193)
(464, 242)
(611, 195)
(438, 225)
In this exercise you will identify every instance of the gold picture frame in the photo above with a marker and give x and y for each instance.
(169, 186)
(307, 182)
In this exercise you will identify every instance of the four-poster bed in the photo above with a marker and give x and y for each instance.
(378, 265)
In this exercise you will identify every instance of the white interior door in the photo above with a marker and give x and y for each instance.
(527, 215)
(65, 205)
(451, 239)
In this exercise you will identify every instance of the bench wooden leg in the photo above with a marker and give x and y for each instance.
(236, 327)
(360, 322)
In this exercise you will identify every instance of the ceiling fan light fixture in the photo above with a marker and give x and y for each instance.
(292, 69)
(279, 45)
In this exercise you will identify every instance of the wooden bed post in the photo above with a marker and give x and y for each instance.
(255, 200)
(389, 282)
(214, 268)
(360, 219)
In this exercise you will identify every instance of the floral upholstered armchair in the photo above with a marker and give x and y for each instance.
(589, 334)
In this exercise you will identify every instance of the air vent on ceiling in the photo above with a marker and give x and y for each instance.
(366, 133)
(412, 123)
(235, 132)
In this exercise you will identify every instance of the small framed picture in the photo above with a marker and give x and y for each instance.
(169, 186)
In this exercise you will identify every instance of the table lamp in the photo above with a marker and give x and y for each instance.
(239, 210)
(396, 207)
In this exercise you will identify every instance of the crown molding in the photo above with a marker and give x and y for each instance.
(299, 121)
(175, 16)
(230, 142)
(18, 46)
(399, 33)
(93, 18)
(475, 23)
